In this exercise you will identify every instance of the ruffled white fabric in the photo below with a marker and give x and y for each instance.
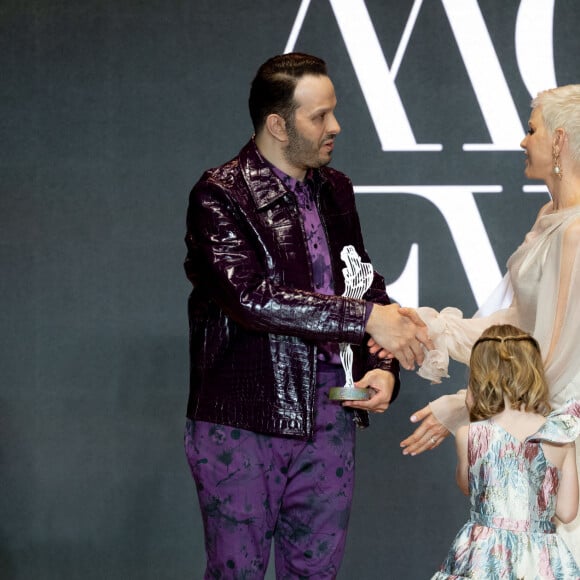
(440, 326)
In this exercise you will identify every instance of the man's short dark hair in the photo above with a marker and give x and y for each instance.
(273, 86)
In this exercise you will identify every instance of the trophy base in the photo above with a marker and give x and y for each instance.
(348, 394)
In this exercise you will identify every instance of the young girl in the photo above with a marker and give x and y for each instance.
(517, 465)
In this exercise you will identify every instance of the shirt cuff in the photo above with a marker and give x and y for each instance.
(368, 310)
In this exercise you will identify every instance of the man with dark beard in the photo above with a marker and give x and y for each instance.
(271, 455)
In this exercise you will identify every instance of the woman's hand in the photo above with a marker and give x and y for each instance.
(428, 435)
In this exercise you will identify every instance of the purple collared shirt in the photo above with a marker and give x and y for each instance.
(317, 249)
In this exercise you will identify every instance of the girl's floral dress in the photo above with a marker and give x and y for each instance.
(513, 499)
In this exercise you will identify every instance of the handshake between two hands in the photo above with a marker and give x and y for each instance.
(399, 333)
(395, 332)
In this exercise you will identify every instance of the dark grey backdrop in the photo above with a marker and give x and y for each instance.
(110, 111)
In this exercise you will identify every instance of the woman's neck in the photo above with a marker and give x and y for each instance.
(565, 192)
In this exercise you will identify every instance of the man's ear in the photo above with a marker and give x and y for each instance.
(276, 127)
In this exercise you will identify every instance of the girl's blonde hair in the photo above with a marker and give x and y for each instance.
(506, 365)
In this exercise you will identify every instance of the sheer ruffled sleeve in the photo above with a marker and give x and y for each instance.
(558, 311)
(450, 410)
(453, 336)
(546, 304)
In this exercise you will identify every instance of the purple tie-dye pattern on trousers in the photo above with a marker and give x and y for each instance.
(254, 487)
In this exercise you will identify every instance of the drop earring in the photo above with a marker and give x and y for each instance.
(556, 167)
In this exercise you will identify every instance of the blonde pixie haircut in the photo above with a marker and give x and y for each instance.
(560, 107)
(506, 365)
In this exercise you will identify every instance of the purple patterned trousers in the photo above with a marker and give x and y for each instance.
(253, 488)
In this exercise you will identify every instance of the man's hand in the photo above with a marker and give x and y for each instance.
(402, 335)
(381, 384)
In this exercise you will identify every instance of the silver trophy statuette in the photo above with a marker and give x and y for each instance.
(358, 277)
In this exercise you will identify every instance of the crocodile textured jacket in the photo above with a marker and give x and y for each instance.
(254, 319)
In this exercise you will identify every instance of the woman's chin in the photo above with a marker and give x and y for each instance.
(530, 173)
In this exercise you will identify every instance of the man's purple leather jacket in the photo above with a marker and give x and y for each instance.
(254, 318)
